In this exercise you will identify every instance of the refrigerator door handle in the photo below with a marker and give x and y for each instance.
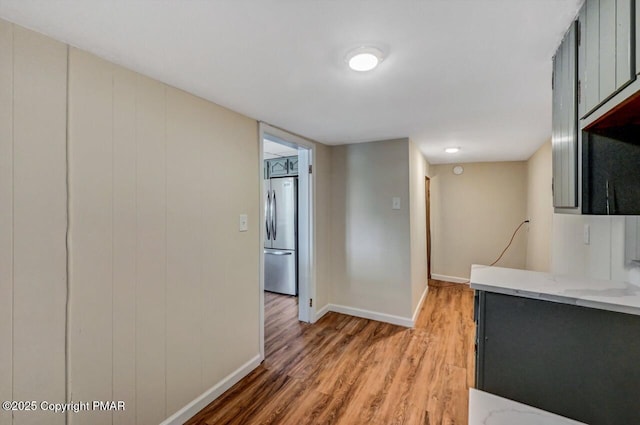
(278, 252)
(267, 214)
(274, 218)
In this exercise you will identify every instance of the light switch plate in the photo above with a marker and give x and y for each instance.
(244, 225)
(395, 203)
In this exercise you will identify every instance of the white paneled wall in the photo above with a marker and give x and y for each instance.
(33, 74)
(164, 289)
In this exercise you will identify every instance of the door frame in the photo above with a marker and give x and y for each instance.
(306, 224)
(427, 200)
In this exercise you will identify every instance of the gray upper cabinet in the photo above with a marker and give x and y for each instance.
(605, 41)
(637, 40)
(293, 164)
(278, 167)
(564, 134)
(281, 167)
(625, 43)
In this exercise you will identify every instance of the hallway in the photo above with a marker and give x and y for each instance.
(347, 370)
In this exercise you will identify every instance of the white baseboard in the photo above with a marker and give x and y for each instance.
(372, 315)
(188, 411)
(446, 278)
(419, 306)
(324, 310)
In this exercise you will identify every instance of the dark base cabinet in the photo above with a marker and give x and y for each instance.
(577, 362)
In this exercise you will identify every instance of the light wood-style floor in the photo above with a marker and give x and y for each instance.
(346, 370)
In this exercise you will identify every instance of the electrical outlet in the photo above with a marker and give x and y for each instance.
(587, 234)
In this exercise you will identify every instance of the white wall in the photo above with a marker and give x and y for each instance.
(475, 214)
(370, 242)
(539, 209)
(418, 170)
(164, 289)
(556, 241)
(602, 258)
(33, 71)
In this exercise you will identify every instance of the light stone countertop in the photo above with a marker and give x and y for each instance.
(489, 409)
(623, 297)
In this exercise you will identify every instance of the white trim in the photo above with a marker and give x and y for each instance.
(446, 278)
(419, 306)
(199, 403)
(305, 230)
(309, 274)
(372, 315)
(261, 242)
(324, 310)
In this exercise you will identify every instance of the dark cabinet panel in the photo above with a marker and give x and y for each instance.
(578, 362)
(611, 171)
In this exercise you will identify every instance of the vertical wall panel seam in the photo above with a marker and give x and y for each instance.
(135, 288)
(113, 196)
(67, 246)
(201, 317)
(166, 206)
(13, 212)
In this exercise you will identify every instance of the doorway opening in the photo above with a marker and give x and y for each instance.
(287, 261)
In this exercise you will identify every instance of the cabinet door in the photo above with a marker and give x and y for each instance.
(637, 31)
(278, 167)
(607, 46)
(625, 67)
(584, 96)
(293, 165)
(590, 55)
(574, 361)
(565, 122)
(605, 50)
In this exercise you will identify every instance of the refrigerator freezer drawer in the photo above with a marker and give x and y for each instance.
(280, 271)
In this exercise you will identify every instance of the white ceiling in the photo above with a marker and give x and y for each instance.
(276, 150)
(469, 73)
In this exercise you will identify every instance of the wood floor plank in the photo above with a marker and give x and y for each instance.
(347, 370)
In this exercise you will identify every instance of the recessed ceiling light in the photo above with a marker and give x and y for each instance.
(452, 150)
(364, 59)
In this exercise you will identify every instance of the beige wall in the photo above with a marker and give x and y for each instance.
(539, 209)
(418, 170)
(163, 300)
(33, 71)
(370, 242)
(163, 286)
(322, 168)
(475, 214)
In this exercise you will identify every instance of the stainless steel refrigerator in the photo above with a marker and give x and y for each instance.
(281, 224)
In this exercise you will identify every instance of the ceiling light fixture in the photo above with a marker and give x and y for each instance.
(452, 150)
(364, 58)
